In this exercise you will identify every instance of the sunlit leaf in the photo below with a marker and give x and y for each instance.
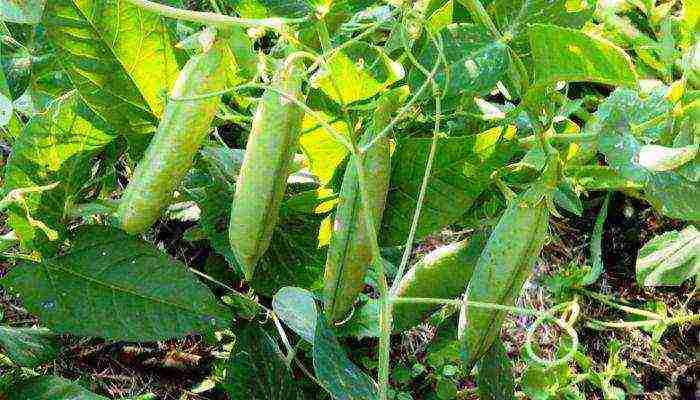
(669, 259)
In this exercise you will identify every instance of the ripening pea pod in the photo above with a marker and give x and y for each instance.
(263, 177)
(185, 124)
(502, 268)
(350, 248)
(444, 273)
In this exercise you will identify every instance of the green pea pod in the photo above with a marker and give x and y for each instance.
(185, 124)
(501, 271)
(262, 181)
(444, 273)
(350, 248)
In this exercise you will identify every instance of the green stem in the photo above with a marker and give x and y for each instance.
(605, 300)
(213, 19)
(402, 111)
(478, 12)
(459, 303)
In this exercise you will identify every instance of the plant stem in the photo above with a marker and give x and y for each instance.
(478, 12)
(421, 195)
(213, 19)
(402, 111)
(605, 300)
(459, 303)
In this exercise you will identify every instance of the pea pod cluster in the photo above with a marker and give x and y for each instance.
(350, 248)
(504, 265)
(185, 124)
(443, 273)
(263, 177)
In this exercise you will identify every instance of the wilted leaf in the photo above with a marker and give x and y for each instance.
(113, 286)
(335, 372)
(669, 259)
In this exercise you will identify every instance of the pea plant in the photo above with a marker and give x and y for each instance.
(301, 153)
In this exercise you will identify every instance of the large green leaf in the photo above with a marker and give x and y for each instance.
(22, 11)
(461, 170)
(51, 388)
(476, 62)
(495, 380)
(55, 146)
(569, 55)
(118, 56)
(28, 347)
(334, 370)
(113, 286)
(513, 17)
(669, 259)
(257, 370)
(357, 72)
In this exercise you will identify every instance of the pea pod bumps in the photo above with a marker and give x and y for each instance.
(350, 248)
(443, 273)
(262, 181)
(185, 124)
(501, 271)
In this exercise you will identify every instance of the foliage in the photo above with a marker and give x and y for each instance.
(344, 172)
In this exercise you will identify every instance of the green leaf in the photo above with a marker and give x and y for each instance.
(566, 198)
(356, 73)
(568, 55)
(28, 347)
(55, 146)
(597, 245)
(476, 62)
(536, 383)
(461, 170)
(51, 388)
(674, 196)
(22, 11)
(335, 372)
(325, 154)
(495, 380)
(669, 259)
(117, 55)
(113, 286)
(296, 307)
(257, 370)
(513, 17)
(598, 178)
